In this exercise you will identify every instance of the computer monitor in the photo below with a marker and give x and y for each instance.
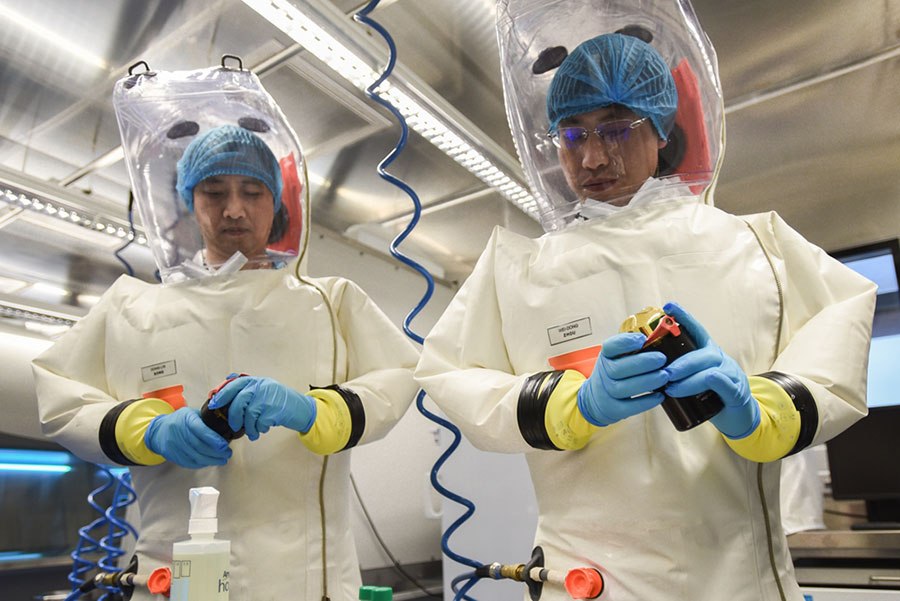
(864, 461)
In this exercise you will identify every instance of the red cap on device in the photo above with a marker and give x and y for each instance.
(584, 583)
(160, 581)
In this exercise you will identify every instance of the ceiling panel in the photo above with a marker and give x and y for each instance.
(326, 115)
(769, 43)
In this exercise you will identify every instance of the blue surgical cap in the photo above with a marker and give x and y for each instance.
(614, 69)
(227, 150)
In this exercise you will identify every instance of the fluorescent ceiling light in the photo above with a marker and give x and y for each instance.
(34, 467)
(10, 285)
(7, 556)
(66, 213)
(52, 38)
(45, 289)
(36, 311)
(34, 456)
(88, 299)
(311, 27)
(23, 460)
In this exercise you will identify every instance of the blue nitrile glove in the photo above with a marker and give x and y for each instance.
(257, 404)
(610, 394)
(184, 439)
(709, 368)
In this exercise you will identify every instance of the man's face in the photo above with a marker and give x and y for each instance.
(235, 213)
(609, 170)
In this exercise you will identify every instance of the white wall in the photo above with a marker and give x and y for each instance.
(392, 474)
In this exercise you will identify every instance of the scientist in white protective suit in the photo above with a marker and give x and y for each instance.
(313, 367)
(617, 115)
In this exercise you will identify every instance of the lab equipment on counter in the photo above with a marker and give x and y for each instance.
(200, 565)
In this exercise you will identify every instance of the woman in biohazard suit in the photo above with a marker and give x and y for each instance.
(617, 116)
(311, 367)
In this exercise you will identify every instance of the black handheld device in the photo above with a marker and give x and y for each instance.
(666, 336)
(217, 419)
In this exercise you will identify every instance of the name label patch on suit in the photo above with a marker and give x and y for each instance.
(572, 330)
(158, 370)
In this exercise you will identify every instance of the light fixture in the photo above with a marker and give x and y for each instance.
(25, 193)
(23, 460)
(11, 556)
(34, 467)
(324, 31)
(88, 300)
(52, 38)
(45, 289)
(10, 285)
(38, 312)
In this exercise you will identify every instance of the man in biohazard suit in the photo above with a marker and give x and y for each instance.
(781, 329)
(313, 367)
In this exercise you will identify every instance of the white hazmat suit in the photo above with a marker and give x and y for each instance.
(662, 514)
(261, 322)
(284, 496)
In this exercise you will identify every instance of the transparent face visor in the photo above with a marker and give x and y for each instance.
(216, 171)
(606, 158)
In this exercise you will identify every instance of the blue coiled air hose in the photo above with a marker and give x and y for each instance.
(91, 544)
(122, 496)
(362, 17)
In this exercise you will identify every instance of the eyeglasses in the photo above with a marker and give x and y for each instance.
(609, 132)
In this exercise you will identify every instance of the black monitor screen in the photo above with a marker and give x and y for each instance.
(864, 461)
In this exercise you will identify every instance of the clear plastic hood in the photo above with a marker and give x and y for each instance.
(192, 140)
(545, 39)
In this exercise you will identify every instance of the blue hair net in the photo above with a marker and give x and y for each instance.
(227, 150)
(614, 69)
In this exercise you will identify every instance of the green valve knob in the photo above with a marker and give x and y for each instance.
(376, 593)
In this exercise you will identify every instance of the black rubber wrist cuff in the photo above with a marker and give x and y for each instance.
(803, 402)
(532, 408)
(108, 443)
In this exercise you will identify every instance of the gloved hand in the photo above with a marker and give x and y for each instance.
(184, 439)
(257, 404)
(709, 368)
(610, 394)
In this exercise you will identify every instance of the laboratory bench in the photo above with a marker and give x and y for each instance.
(863, 560)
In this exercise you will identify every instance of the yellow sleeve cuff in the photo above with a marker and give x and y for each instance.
(131, 426)
(331, 430)
(779, 424)
(566, 427)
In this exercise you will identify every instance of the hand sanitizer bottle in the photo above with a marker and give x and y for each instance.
(200, 565)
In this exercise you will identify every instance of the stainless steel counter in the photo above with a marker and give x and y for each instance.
(845, 544)
(855, 558)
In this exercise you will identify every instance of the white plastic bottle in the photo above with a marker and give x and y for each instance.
(200, 565)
